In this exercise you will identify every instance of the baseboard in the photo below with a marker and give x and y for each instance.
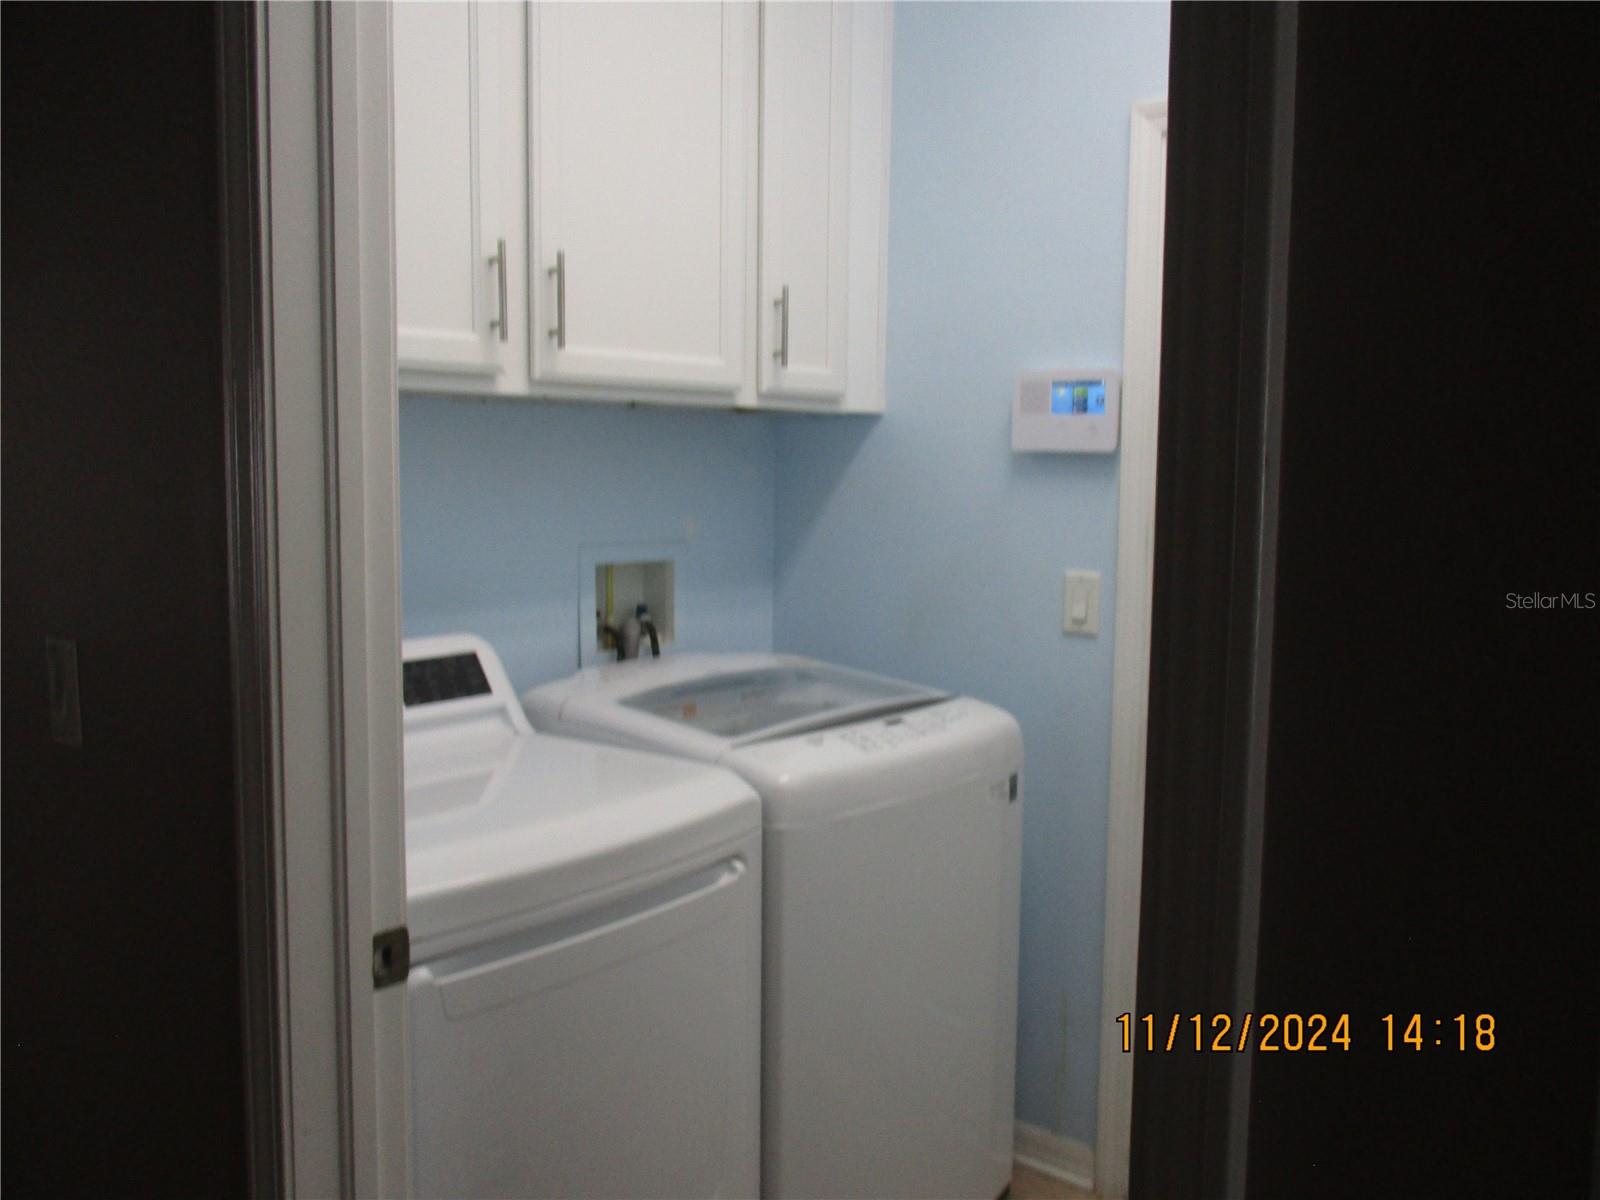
(1063, 1158)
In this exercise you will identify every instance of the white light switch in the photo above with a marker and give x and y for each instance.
(1080, 603)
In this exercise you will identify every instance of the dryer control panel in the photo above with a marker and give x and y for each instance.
(451, 685)
(443, 677)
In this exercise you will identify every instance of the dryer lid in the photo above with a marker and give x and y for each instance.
(495, 840)
(503, 824)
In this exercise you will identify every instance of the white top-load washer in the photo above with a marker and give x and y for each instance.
(892, 858)
(584, 998)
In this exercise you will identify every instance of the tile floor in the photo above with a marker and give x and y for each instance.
(1028, 1184)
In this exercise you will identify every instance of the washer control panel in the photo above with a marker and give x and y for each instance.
(872, 736)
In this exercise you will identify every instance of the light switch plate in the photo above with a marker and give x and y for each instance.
(1080, 603)
(66, 719)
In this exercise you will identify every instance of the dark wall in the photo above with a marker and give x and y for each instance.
(1430, 839)
(121, 1059)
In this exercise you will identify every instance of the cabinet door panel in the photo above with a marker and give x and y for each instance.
(642, 140)
(446, 189)
(871, 59)
(804, 204)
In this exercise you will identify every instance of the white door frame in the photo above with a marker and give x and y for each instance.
(1130, 675)
(323, 490)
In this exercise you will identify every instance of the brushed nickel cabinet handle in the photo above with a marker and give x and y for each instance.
(499, 260)
(782, 305)
(559, 330)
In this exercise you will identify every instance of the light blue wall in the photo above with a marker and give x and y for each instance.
(919, 544)
(499, 497)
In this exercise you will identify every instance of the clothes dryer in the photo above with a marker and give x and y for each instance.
(584, 997)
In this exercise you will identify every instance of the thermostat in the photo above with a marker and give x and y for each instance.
(1067, 411)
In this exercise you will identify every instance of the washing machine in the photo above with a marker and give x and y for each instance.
(584, 999)
(892, 855)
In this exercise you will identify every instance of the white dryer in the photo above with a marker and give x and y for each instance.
(892, 859)
(585, 927)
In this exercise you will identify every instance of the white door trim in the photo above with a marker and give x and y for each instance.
(366, 454)
(329, 384)
(1130, 676)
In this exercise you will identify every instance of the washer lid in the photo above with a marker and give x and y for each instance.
(770, 702)
(495, 840)
(710, 702)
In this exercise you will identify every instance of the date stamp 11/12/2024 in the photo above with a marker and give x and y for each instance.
(1305, 1033)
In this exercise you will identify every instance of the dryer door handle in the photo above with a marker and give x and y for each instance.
(595, 940)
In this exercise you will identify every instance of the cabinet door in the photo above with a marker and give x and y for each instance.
(643, 145)
(450, 279)
(804, 203)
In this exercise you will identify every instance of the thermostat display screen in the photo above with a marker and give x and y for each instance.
(1067, 410)
(1078, 397)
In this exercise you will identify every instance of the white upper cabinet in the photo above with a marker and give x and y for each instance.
(804, 198)
(661, 176)
(454, 267)
(642, 123)
(871, 60)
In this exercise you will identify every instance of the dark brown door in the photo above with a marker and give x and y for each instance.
(1425, 844)
(1432, 784)
(122, 1044)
